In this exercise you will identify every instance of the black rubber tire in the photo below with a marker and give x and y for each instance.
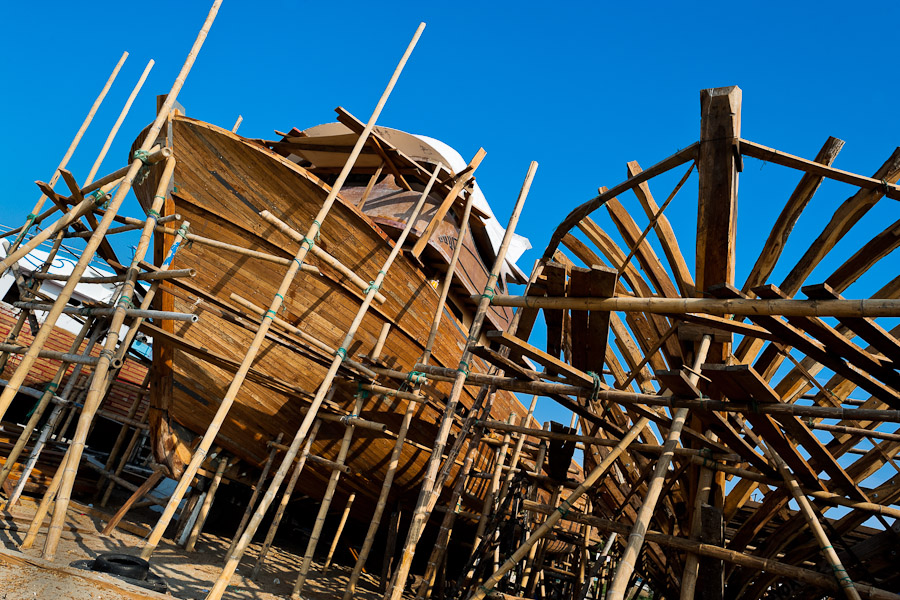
(123, 565)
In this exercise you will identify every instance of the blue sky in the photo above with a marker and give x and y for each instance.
(580, 87)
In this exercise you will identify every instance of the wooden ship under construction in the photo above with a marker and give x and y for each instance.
(331, 318)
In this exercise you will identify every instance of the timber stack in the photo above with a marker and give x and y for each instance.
(328, 315)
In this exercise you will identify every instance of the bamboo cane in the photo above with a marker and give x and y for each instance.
(237, 124)
(153, 276)
(866, 307)
(337, 534)
(325, 257)
(562, 510)
(98, 385)
(237, 382)
(632, 550)
(69, 152)
(118, 123)
(40, 407)
(110, 311)
(44, 506)
(410, 409)
(285, 498)
(326, 501)
(427, 496)
(840, 573)
(256, 490)
(207, 504)
(692, 561)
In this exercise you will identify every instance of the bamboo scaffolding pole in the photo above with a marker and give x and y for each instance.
(692, 561)
(629, 556)
(545, 388)
(207, 504)
(522, 583)
(224, 407)
(69, 152)
(325, 505)
(285, 498)
(382, 500)
(840, 573)
(562, 509)
(118, 123)
(372, 181)
(337, 534)
(99, 380)
(111, 311)
(40, 407)
(427, 496)
(256, 491)
(865, 307)
(237, 123)
(66, 357)
(44, 506)
(325, 257)
(205, 241)
(108, 357)
(153, 276)
(410, 410)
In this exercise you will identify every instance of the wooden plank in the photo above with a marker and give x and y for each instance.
(866, 329)
(665, 234)
(846, 216)
(590, 329)
(462, 180)
(799, 199)
(771, 155)
(556, 275)
(720, 129)
(874, 250)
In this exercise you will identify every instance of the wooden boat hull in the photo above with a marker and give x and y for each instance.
(221, 183)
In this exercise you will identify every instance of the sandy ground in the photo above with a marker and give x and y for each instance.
(188, 576)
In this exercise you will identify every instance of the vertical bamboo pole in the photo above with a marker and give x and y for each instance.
(118, 123)
(285, 498)
(629, 557)
(410, 409)
(240, 375)
(326, 501)
(522, 584)
(70, 151)
(337, 534)
(207, 504)
(41, 406)
(427, 495)
(259, 484)
(44, 506)
(692, 561)
(237, 123)
(562, 509)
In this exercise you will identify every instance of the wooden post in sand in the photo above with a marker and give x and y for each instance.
(69, 152)
(337, 534)
(207, 504)
(285, 498)
(256, 491)
(410, 410)
(326, 500)
(235, 386)
(427, 495)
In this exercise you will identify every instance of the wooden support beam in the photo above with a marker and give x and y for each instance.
(590, 329)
